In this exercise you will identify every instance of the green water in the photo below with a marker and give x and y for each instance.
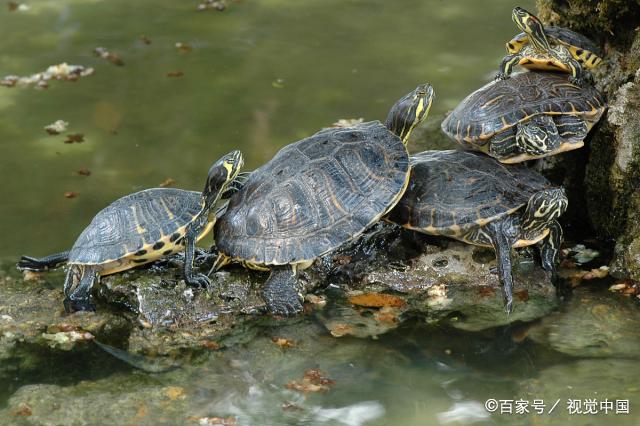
(258, 76)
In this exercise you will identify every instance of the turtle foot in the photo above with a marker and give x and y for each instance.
(72, 305)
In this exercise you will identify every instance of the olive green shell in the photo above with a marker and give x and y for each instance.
(133, 222)
(315, 195)
(452, 192)
(502, 104)
(566, 36)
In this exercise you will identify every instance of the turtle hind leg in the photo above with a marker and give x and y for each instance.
(282, 291)
(53, 261)
(81, 279)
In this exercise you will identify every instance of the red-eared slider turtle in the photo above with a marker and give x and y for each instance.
(548, 48)
(530, 115)
(140, 228)
(317, 194)
(473, 198)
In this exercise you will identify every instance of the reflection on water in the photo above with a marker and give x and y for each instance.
(258, 76)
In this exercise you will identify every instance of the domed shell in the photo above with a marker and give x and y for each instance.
(451, 192)
(502, 104)
(133, 222)
(315, 195)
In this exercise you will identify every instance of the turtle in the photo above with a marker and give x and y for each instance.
(142, 227)
(473, 198)
(56, 260)
(548, 48)
(316, 194)
(530, 115)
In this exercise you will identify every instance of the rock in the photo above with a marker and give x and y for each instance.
(592, 324)
(604, 179)
(34, 329)
(452, 284)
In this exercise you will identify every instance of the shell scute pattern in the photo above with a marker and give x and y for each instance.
(314, 195)
(452, 192)
(503, 103)
(133, 222)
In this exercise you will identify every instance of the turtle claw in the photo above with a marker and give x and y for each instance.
(577, 81)
(199, 281)
(501, 76)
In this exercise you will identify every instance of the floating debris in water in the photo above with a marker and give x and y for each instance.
(581, 254)
(212, 5)
(175, 393)
(627, 288)
(61, 71)
(214, 421)
(146, 40)
(211, 345)
(74, 138)
(114, 58)
(70, 194)
(278, 83)
(56, 127)
(576, 276)
(314, 380)
(377, 300)
(175, 74)
(83, 171)
(23, 410)
(167, 182)
(183, 47)
(283, 343)
(347, 122)
(20, 7)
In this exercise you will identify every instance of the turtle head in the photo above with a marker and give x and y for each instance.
(538, 136)
(410, 111)
(532, 26)
(543, 207)
(223, 172)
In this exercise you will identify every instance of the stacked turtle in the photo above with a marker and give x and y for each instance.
(481, 197)
(325, 190)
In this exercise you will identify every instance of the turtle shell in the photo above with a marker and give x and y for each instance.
(566, 36)
(138, 225)
(502, 104)
(315, 195)
(451, 192)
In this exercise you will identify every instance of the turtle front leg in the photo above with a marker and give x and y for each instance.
(578, 74)
(82, 277)
(537, 136)
(42, 264)
(550, 248)
(503, 235)
(282, 291)
(503, 145)
(506, 66)
(190, 276)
